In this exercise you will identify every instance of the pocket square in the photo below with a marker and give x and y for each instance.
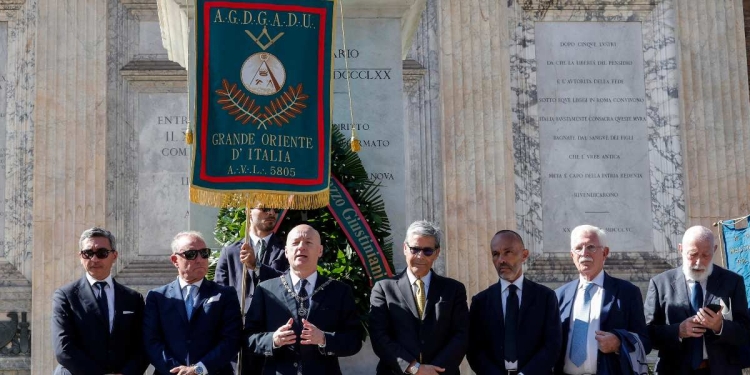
(127, 312)
(726, 311)
(214, 298)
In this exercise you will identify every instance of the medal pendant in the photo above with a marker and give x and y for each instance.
(302, 311)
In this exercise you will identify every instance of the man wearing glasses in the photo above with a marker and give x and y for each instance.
(264, 256)
(96, 322)
(596, 310)
(192, 325)
(419, 320)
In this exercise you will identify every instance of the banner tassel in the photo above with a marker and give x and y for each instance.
(189, 135)
(356, 146)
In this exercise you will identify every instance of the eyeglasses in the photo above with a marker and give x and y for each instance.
(192, 254)
(101, 253)
(590, 249)
(267, 210)
(427, 251)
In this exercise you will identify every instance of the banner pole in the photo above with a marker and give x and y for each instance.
(244, 280)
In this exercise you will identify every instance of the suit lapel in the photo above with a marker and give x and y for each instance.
(679, 286)
(433, 295)
(174, 296)
(119, 300)
(291, 303)
(566, 306)
(204, 292)
(608, 297)
(527, 300)
(711, 284)
(405, 288)
(496, 302)
(317, 298)
(88, 300)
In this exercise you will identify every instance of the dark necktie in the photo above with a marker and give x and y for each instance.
(101, 300)
(261, 252)
(696, 344)
(304, 301)
(511, 323)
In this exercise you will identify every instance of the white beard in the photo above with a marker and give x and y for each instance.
(690, 273)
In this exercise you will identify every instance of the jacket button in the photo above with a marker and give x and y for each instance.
(295, 364)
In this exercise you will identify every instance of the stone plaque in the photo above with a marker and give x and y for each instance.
(376, 88)
(3, 124)
(593, 132)
(163, 168)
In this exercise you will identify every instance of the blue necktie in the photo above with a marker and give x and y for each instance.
(189, 300)
(102, 301)
(578, 343)
(696, 343)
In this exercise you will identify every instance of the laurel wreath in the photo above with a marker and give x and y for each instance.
(279, 111)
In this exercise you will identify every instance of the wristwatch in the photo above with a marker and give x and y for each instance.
(414, 369)
(198, 370)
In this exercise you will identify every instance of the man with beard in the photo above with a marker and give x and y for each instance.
(514, 325)
(302, 321)
(697, 314)
(596, 310)
(263, 256)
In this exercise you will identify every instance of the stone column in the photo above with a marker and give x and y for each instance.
(69, 150)
(475, 125)
(715, 111)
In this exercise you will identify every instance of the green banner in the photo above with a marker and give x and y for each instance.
(263, 103)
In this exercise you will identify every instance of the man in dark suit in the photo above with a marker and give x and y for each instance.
(301, 322)
(419, 320)
(192, 325)
(690, 336)
(263, 256)
(96, 322)
(595, 309)
(514, 324)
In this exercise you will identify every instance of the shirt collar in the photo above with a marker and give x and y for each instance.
(598, 280)
(504, 284)
(184, 283)
(108, 280)
(255, 238)
(425, 280)
(312, 279)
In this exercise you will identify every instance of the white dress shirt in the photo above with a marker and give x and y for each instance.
(110, 290)
(504, 284)
(595, 309)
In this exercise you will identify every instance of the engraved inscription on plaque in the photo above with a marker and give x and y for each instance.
(163, 167)
(593, 132)
(376, 88)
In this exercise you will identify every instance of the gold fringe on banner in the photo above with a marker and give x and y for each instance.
(221, 199)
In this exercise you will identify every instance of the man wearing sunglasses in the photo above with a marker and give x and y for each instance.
(419, 320)
(597, 310)
(264, 256)
(192, 325)
(96, 322)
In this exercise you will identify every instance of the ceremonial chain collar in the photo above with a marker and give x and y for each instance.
(302, 311)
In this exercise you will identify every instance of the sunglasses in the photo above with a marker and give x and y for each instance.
(427, 251)
(192, 254)
(267, 210)
(101, 253)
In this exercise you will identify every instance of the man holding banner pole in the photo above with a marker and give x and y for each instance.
(697, 314)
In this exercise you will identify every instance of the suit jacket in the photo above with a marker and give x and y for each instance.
(229, 267)
(539, 336)
(211, 336)
(668, 305)
(81, 337)
(398, 335)
(332, 310)
(622, 308)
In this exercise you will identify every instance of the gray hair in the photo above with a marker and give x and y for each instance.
(424, 228)
(589, 229)
(96, 232)
(699, 233)
(187, 233)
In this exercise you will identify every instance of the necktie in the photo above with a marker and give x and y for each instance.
(101, 300)
(578, 342)
(696, 344)
(304, 303)
(511, 323)
(189, 300)
(421, 299)
(261, 251)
